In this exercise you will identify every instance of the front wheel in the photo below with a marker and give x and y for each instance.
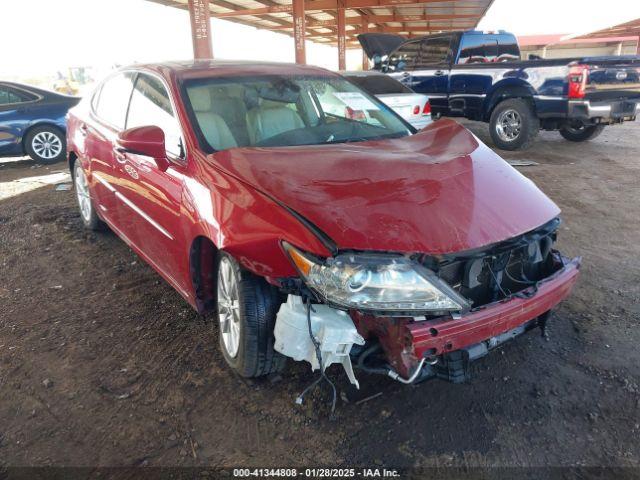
(87, 212)
(247, 308)
(581, 133)
(513, 124)
(46, 144)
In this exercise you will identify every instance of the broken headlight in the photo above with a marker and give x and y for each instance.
(376, 282)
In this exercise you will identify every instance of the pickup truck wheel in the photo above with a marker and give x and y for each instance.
(247, 308)
(513, 124)
(581, 133)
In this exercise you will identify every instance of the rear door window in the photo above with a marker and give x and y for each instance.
(114, 99)
(478, 49)
(508, 49)
(151, 105)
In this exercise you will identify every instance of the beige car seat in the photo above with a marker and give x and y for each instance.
(269, 119)
(213, 126)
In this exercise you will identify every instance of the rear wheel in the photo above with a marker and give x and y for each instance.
(581, 133)
(513, 124)
(46, 144)
(247, 308)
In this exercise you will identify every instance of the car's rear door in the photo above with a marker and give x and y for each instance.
(151, 197)
(14, 118)
(469, 79)
(100, 132)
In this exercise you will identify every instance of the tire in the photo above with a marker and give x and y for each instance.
(88, 214)
(513, 124)
(46, 144)
(250, 321)
(581, 133)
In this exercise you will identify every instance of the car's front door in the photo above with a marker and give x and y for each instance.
(402, 61)
(151, 197)
(13, 119)
(100, 131)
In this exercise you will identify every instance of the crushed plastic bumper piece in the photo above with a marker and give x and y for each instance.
(333, 330)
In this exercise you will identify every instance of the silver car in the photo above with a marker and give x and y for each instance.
(413, 107)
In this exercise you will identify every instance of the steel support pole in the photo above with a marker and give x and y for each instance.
(299, 31)
(365, 29)
(342, 41)
(200, 16)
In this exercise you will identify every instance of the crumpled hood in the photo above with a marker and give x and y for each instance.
(439, 191)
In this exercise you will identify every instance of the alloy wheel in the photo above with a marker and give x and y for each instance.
(509, 125)
(47, 145)
(82, 192)
(229, 307)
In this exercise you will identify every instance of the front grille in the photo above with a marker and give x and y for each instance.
(501, 270)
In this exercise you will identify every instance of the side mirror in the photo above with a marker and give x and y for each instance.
(147, 141)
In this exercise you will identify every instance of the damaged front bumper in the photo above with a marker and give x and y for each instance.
(407, 342)
(443, 343)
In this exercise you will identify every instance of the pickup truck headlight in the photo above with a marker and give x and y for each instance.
(376, 282)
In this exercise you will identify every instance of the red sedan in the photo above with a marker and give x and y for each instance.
(311, 232)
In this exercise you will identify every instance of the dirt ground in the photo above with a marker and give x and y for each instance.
(103, 364)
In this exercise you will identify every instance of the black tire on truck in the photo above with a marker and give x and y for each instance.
(514, 124)
(246, 309)
(581, 133)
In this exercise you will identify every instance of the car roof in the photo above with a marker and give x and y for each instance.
(35, 90)
(201, 68)
(361, 73)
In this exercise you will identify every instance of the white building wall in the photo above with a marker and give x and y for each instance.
(588, 50)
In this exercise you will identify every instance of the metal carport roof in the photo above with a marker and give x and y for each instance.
(333, 22)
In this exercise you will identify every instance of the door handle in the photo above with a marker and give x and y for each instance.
(119, 155)
(405, 74)
(438, 73)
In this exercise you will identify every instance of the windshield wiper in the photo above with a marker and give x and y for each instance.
(367, 139)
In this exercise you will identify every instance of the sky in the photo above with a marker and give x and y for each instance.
(40, 37)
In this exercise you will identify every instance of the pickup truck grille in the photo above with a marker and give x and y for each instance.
(502, 270)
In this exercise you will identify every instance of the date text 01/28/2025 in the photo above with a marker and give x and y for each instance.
(315, 473)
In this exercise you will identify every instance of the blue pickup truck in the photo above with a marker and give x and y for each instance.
(481, 76)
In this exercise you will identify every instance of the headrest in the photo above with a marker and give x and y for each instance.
(251, 99)
(200, 99)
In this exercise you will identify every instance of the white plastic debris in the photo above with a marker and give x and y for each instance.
(333, 329)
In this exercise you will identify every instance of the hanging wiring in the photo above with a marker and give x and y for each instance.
(323, 375)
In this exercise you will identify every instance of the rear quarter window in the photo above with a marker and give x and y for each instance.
(10, 96)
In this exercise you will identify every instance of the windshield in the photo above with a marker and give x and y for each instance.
(274, 110)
